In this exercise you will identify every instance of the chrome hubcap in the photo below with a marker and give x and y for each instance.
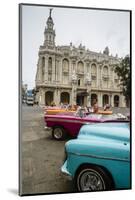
(57, 133)
(91, 181)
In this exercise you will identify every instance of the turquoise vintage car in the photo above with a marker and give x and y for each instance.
(99, 159)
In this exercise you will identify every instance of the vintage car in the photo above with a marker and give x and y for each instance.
(99, 159)
(63, 125)
(55, 110)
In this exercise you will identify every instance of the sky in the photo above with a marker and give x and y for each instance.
(95, 29)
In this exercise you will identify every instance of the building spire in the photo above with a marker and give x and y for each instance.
(50, 12)
(49, 33)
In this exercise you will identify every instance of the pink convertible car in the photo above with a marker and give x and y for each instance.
(69, 125)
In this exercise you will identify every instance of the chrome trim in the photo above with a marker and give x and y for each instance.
(47, 128)
(73, 121)
(100, 157)
(67, 176)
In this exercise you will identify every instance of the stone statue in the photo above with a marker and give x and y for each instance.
(74, 76)
(88, 79)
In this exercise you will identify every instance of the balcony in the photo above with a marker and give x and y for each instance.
(80, 72)
(93, 77)
(65, 71)
(105, 77)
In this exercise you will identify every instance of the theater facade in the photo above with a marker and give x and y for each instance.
(76, 75)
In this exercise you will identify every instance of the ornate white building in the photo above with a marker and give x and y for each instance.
(75, 75)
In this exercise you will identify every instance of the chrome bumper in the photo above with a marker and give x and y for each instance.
(65, 172)
(47, 128)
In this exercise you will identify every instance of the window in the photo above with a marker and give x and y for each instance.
(50, 65)
(65, 66)
(80, 67)
(78, 82)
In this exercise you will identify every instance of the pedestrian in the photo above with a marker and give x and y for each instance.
(107, 107)
(95, 106)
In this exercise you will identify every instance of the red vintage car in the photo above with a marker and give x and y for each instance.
(69, 125)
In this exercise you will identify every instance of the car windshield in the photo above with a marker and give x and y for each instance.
(93, 116)
(80, 113)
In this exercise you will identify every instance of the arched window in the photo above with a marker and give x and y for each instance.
(48, 98)
(43, 66)
(105, 99)
(105, 76)
(65, 70)
(50, 64)
(80, 67)
(65, 66)
(65, 98)
(105, 71)
(93, 71)
(49, 69)
(93, 98)
(94, 75)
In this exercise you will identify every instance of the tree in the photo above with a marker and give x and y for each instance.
(123, 71)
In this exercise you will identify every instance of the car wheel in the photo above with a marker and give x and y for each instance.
(59, 133)
(92, 178)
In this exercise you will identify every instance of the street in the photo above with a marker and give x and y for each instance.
(41, 156)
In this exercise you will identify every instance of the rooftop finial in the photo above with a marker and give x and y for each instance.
(50, 11)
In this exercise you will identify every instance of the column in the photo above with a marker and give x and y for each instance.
(101, 83)
(113, 77)
(97, 85)
(38, 79)
(123, 101)
(73, 94)
(100, 99)
(85, 69)
(89, 96)
(39, 75)
(60, 71)
(53, 69)
(70, 71)
(46, 69)
(41, 97)
(76, 67)
(112, 100)
(57, 96)
(57, 71)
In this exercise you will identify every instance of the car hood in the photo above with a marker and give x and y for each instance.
(114, 131)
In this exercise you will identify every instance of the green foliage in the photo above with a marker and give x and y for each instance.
(123, 71)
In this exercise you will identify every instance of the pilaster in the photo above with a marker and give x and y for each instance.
(60, 71)
(46, 69)
(57, 96)
(53, 69)
(41, 97)
(40, 69)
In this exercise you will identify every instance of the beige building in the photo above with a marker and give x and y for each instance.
(75, 75)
